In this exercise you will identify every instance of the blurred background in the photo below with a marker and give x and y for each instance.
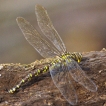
(80, 23)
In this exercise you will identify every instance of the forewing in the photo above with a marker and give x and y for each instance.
(48, 29)
(62, 81)
(34, 38)
(79, 76)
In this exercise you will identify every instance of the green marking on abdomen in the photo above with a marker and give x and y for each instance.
(29, 77)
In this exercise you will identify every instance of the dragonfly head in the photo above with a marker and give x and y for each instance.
(76, 56)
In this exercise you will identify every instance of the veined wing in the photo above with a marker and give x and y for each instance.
(62, 81)
(79, 76)
(34, 38)
(48, 29)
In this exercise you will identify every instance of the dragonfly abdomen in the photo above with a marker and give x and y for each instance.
(30, 76)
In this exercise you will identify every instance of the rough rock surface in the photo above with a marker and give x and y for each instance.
(41, 90)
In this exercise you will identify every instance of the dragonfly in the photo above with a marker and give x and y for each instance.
(63, 64)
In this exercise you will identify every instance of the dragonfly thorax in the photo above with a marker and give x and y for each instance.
(75, 55)
(66, 58)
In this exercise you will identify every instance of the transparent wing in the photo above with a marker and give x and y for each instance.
(48, 29)
(79, 76)
(34, 38)
(62, 81)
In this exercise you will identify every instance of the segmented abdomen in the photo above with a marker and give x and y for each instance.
(31, 75)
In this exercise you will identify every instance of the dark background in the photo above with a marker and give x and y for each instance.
(80, 23)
